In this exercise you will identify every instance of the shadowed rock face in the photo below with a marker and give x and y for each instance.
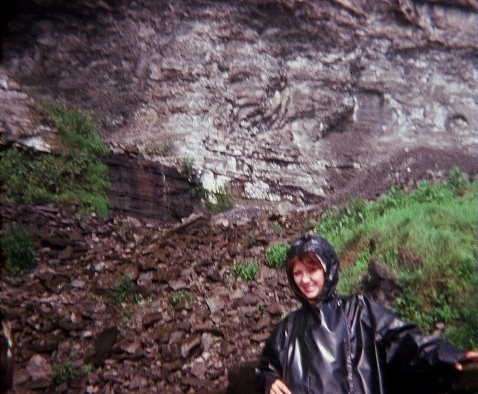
(147, 189)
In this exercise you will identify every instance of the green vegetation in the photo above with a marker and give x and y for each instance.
(187, 167)
(427, 237)
(246, 271)
(275, 255)
(219, 201)
(76, 176)
(181, 295)
(125, 289)
(19, 249)
(309, 225)
(63, 373)
(87, 368)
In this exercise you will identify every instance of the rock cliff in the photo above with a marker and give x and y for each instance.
(280, 101)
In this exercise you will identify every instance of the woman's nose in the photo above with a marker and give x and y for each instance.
(305, 278)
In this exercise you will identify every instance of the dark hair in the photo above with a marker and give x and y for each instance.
(309, 259)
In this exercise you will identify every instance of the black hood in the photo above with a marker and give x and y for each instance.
(326, 254)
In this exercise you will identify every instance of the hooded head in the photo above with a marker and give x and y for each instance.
(327, 257)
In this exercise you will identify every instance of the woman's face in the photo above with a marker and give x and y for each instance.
(309, 279)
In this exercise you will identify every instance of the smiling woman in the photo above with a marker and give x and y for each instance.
(344, 344)
(308, 273)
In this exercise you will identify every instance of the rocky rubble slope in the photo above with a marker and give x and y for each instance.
(77, 330)
(129, 305)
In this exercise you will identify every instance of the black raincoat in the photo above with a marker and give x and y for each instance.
(350, 344)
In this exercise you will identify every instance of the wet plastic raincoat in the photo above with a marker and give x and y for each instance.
(349, 344)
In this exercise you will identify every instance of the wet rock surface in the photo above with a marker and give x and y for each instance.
(147, 189)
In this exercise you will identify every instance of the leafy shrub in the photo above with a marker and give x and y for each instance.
(246, 271)
(77, 176)
(276, 255)
(19, 249)
(339, 223)
(458, 181)
(348, 277)
(427, 237)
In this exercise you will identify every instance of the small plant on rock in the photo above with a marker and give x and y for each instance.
(181, 295)
(62, 373)
(246, 271)
(164, 148)
(219, 201)
(125, 289)
(276, 228)
(76, 176)
(127, 317)
(87, 368)
(187, 167)
(275, 255)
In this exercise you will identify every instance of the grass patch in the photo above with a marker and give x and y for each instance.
(427, 237)
(76, 176)
(181, 295)
(276, 254)
(246, 271)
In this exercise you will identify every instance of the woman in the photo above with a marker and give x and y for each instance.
(336, 344)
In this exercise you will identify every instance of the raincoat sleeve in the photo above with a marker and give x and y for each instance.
(407, 350)
(270, 365)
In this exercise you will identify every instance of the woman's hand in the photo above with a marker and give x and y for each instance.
(470, 356)
(279, 387)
